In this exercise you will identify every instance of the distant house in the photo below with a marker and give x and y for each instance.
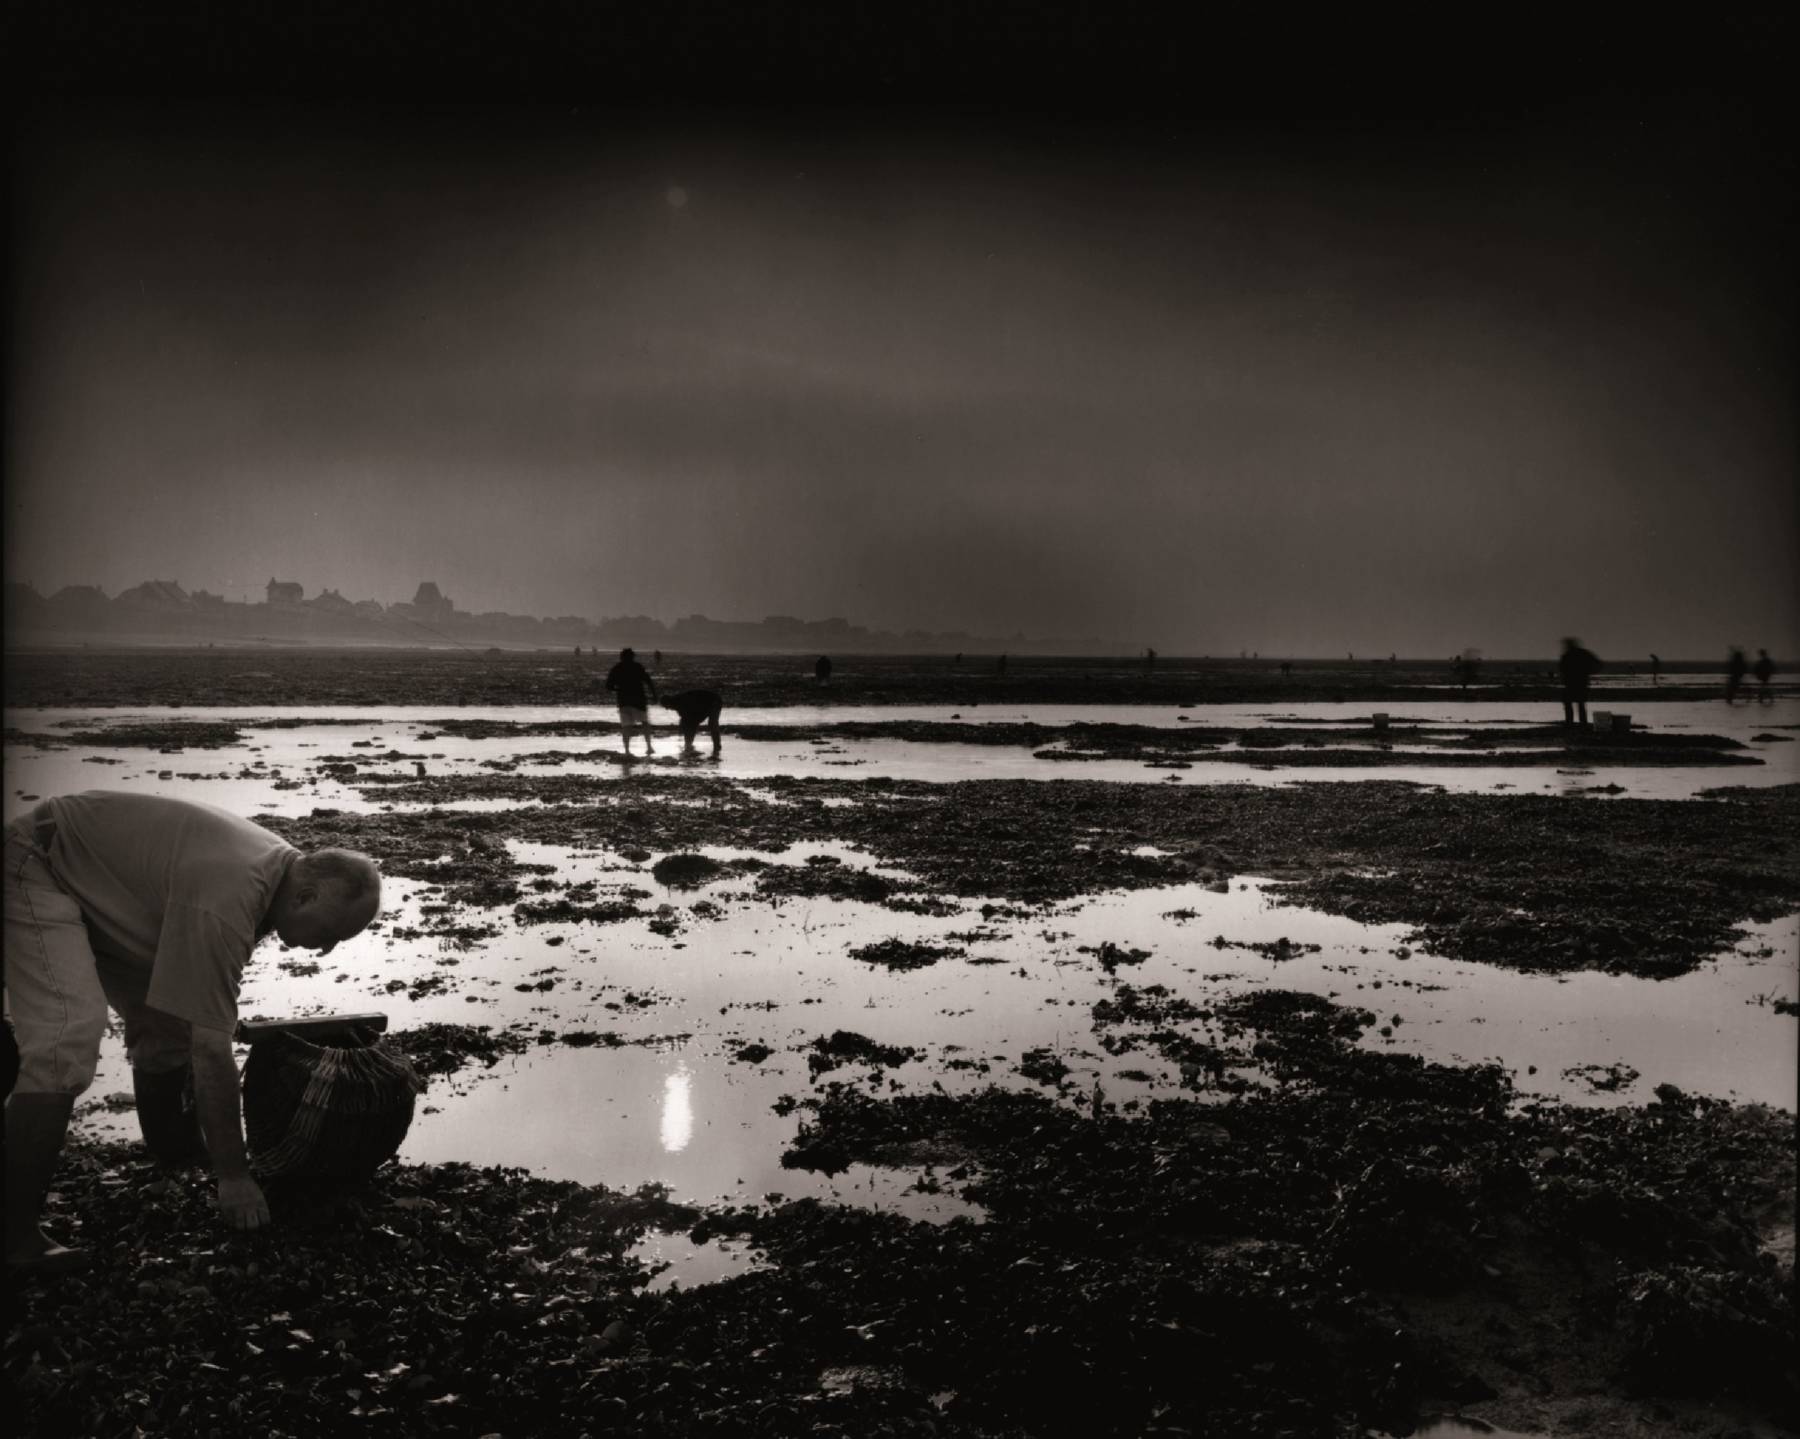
(331, 601)
(80, 597)
(429, 601)
(155, 595)
(285, 592)
(207, 600)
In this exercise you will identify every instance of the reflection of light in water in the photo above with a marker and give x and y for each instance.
(678, 1113)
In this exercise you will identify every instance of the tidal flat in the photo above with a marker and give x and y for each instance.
(799, 1092)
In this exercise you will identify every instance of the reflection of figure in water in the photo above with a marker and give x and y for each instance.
(1764, 670)
(629, 680)
(1735, 670)
(1576, 667)
(1655, 670)
(1000, 665)
(822, 670)
(697, 707)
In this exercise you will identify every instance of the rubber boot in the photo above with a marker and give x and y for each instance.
(36, 1125)
(167, 1117)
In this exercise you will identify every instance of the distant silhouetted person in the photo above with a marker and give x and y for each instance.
(629, 681)
(1149, 659)
(656, 658)
(1764, 670)
(1735, 669)
(1576, 667)
(822, 670)
(697, 707)
(958, 659)
(1286, 668)
(1655, 670)
(1000, 665)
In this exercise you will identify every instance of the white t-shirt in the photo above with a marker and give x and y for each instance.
(172, 889)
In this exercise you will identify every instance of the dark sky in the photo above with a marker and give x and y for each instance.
(1485, 362)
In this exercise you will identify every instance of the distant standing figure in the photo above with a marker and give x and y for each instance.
(1149, 659)
(656, 658)
(628, 680)
(958, 659)
(1286, 668)
(697, 707)
(1655, 670)
(1576, 667)
(1000, 665)
(1735, 670)
(822, 670)
(1764, 670)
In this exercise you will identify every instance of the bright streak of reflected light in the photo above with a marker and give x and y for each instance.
(678, 1112)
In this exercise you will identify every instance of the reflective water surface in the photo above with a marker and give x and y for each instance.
(672, 1098)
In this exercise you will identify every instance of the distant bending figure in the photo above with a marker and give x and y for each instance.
(697, 707)
(1735, 669)
(628, 681)
(1576, 667)
(1764, 670)
(822, 670)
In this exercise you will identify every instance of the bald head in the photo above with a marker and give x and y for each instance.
(327, 897)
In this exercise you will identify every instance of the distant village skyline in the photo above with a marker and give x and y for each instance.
(163, 608)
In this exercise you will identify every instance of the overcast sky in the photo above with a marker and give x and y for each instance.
(1295, 392)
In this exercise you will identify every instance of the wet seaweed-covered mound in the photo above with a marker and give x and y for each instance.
(1370, 1239)
(1424, 1244)
(1645, 887)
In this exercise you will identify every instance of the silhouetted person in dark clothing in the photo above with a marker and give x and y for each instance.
(629, 681)
(656, 658)
(697, 707)
(822, 670)
(1286, 668)
(958, 659)
(1000, 665)
(1576, 667)
(1764, 670)
(1655, 670)
(1735, 670)
(1149, 659)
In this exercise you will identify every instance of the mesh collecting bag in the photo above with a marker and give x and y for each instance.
(326, 1111)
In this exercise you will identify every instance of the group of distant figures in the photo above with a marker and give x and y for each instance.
(633, 688)
(1578, 666)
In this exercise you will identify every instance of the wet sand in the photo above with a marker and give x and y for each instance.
(983, 1104)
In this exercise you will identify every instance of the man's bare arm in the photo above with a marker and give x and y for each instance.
(217, 1097)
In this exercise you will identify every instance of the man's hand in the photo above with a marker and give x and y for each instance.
(241, 1203)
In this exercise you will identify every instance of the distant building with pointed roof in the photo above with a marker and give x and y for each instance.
(155, 594)
(285, 592)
